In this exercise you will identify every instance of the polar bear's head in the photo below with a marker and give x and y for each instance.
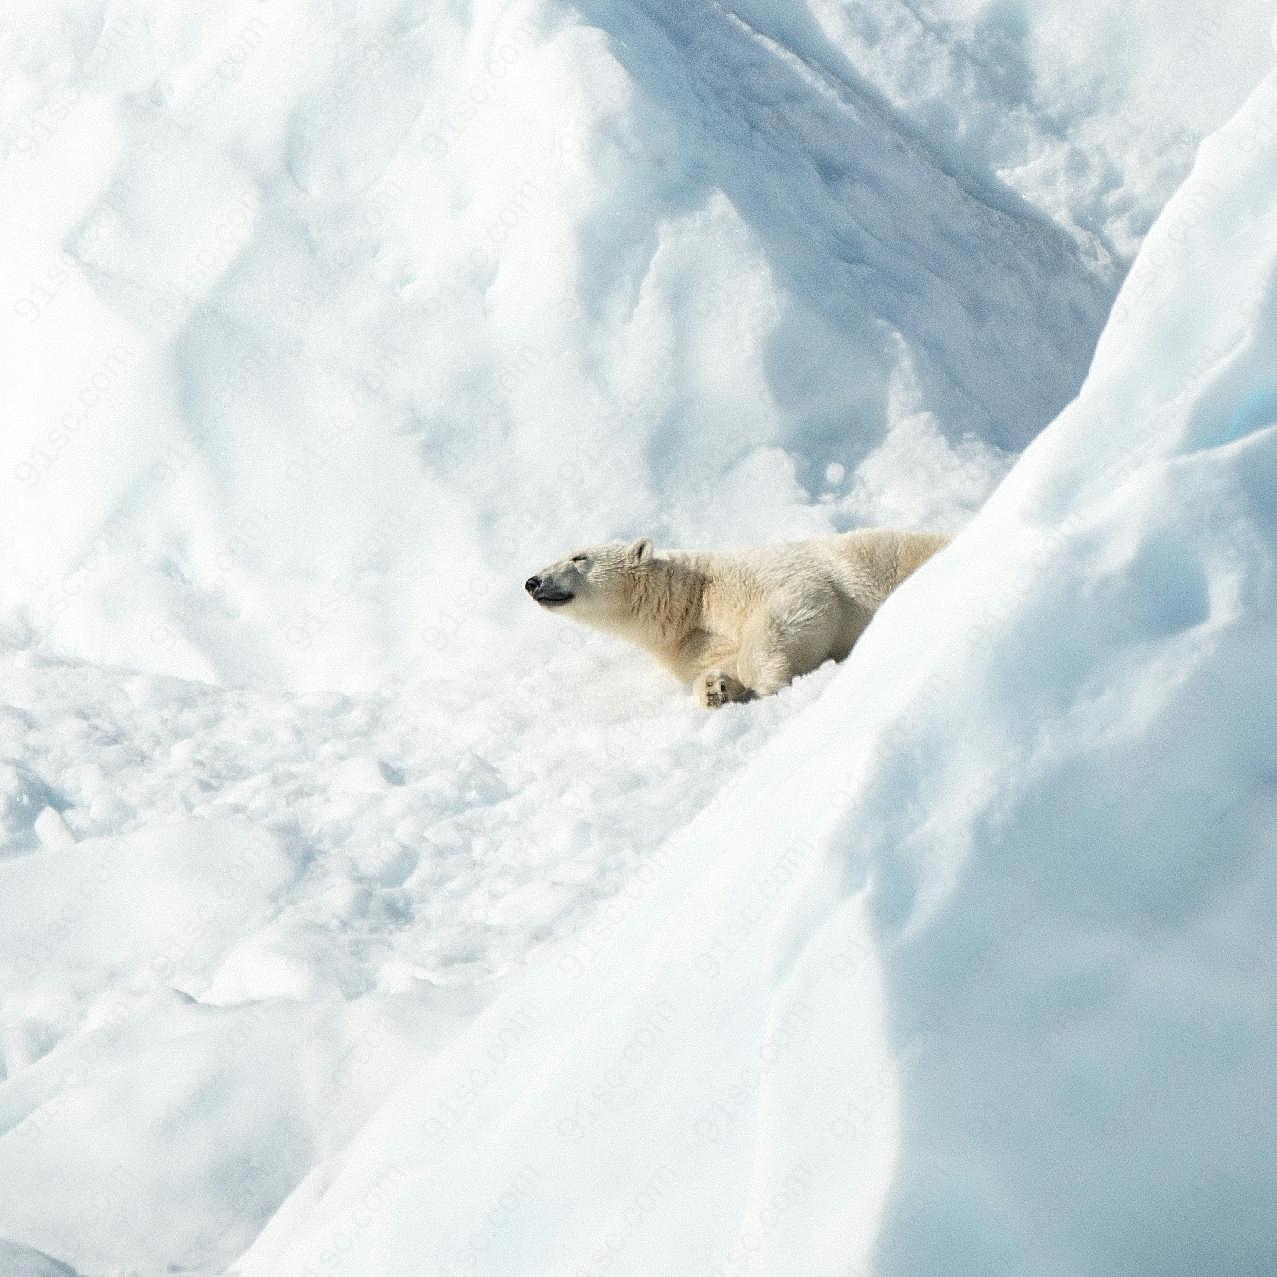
(593, 585)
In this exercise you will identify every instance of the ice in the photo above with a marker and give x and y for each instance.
(22, 1261)
(357, 917)
(285, 905)
(965, 972)
(294, 278)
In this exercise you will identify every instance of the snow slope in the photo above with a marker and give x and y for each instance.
(971, 969)
(231, 922)
(464, 278)
(1091, 111)
(326, 322)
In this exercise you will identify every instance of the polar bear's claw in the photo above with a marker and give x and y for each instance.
(716, 687)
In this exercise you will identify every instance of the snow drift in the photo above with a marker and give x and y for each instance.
(326, 322)
(971, 970)
(715, 274)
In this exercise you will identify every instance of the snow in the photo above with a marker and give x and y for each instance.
(293, 276)
(273, 908)
(354, 918)
(992, 1006)
(22, 1261)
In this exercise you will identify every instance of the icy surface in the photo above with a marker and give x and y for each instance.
(488, 286)
(268, 909)
(355, 914)
(970, 970)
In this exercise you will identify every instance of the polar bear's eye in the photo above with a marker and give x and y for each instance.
(579, 558)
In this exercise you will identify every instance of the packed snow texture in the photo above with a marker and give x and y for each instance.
(488, 283)
(970, 970)
(356, 917)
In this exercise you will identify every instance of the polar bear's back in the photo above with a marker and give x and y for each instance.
(867, 564)
(879, 559)
(830, 586)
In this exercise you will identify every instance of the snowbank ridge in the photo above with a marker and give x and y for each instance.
(913, 1000)
(354, 920)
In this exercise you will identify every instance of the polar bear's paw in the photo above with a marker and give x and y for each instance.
(717, 687)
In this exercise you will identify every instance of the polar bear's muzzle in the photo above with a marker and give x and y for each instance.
(545, 593)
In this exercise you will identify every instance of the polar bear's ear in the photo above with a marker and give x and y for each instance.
(640, 551)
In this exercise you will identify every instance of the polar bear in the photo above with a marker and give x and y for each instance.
(741, 624)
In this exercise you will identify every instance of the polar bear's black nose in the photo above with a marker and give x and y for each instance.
(532, 584)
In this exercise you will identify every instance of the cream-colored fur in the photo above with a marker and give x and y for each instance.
(739, 624)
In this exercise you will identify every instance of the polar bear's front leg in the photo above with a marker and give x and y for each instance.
(717, 687)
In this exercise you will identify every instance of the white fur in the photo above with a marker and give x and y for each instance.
(737, 624)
